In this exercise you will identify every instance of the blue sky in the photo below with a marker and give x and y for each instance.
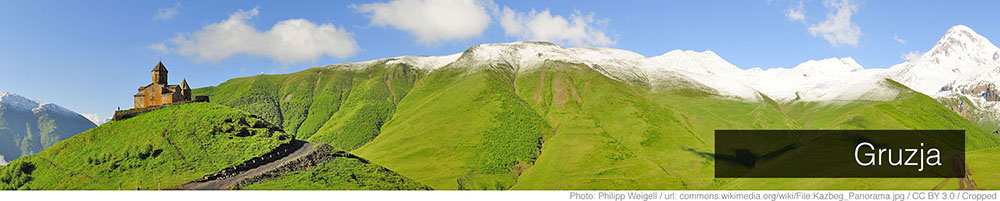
(92, 56)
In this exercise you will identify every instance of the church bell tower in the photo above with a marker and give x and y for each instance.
(160, 74)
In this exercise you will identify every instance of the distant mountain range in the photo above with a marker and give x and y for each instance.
(28, 126)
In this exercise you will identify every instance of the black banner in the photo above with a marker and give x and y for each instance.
(840, 153)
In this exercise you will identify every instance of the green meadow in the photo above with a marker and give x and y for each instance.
(162, 149)
(557, 126)
(561, 125)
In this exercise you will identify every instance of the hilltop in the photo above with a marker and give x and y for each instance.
(177, 145)
(161, 149)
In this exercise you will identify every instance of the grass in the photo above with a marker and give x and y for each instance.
(338, 105)
(460, 130)
(162, 149)
(341, 173)
(616, 136)
(565, 126)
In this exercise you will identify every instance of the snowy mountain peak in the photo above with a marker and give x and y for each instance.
(706, 55)
(962, 31)
(962, 41)
(706, 62)
(828, 66)
(524, 56)
(961, 58)
(17, 101)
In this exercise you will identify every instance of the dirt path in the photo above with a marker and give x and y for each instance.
(164, 135)
(228, 182)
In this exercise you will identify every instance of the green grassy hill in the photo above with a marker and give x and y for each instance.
(560, 125)
(343, 108)
(162, 149)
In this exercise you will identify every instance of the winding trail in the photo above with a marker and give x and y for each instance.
(227, 183)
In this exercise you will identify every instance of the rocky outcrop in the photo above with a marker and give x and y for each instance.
(987, 91)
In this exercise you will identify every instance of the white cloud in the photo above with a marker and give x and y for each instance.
(429, 20)
(577, 30)
(167, 13)
(288, 41)
(797, 13)
(158, 47)
(900, 40)
(911, 56)
(838, 28)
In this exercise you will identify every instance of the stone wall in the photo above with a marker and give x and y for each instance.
(274, 155)
(129, 113)
(323, 153)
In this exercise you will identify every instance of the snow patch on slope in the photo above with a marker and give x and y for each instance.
(425, 62)
(2, 161)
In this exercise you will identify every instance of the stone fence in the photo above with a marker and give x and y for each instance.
(129, 113)
(275, 154)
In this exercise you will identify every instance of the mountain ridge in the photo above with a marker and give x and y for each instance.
(28, 126)
(533, 115)
(812, 80)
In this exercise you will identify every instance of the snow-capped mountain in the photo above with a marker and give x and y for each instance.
(17, 102)
(962, 58)
(962, 62)
(27, 126)
(827, 79)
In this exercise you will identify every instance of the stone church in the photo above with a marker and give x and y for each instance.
(159, 93)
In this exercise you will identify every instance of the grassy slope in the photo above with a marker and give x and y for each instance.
(481, 130)
(911, 110)
(342, 107)
(613, 136)
(461, 131)
(342, 173)
(162, 149)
